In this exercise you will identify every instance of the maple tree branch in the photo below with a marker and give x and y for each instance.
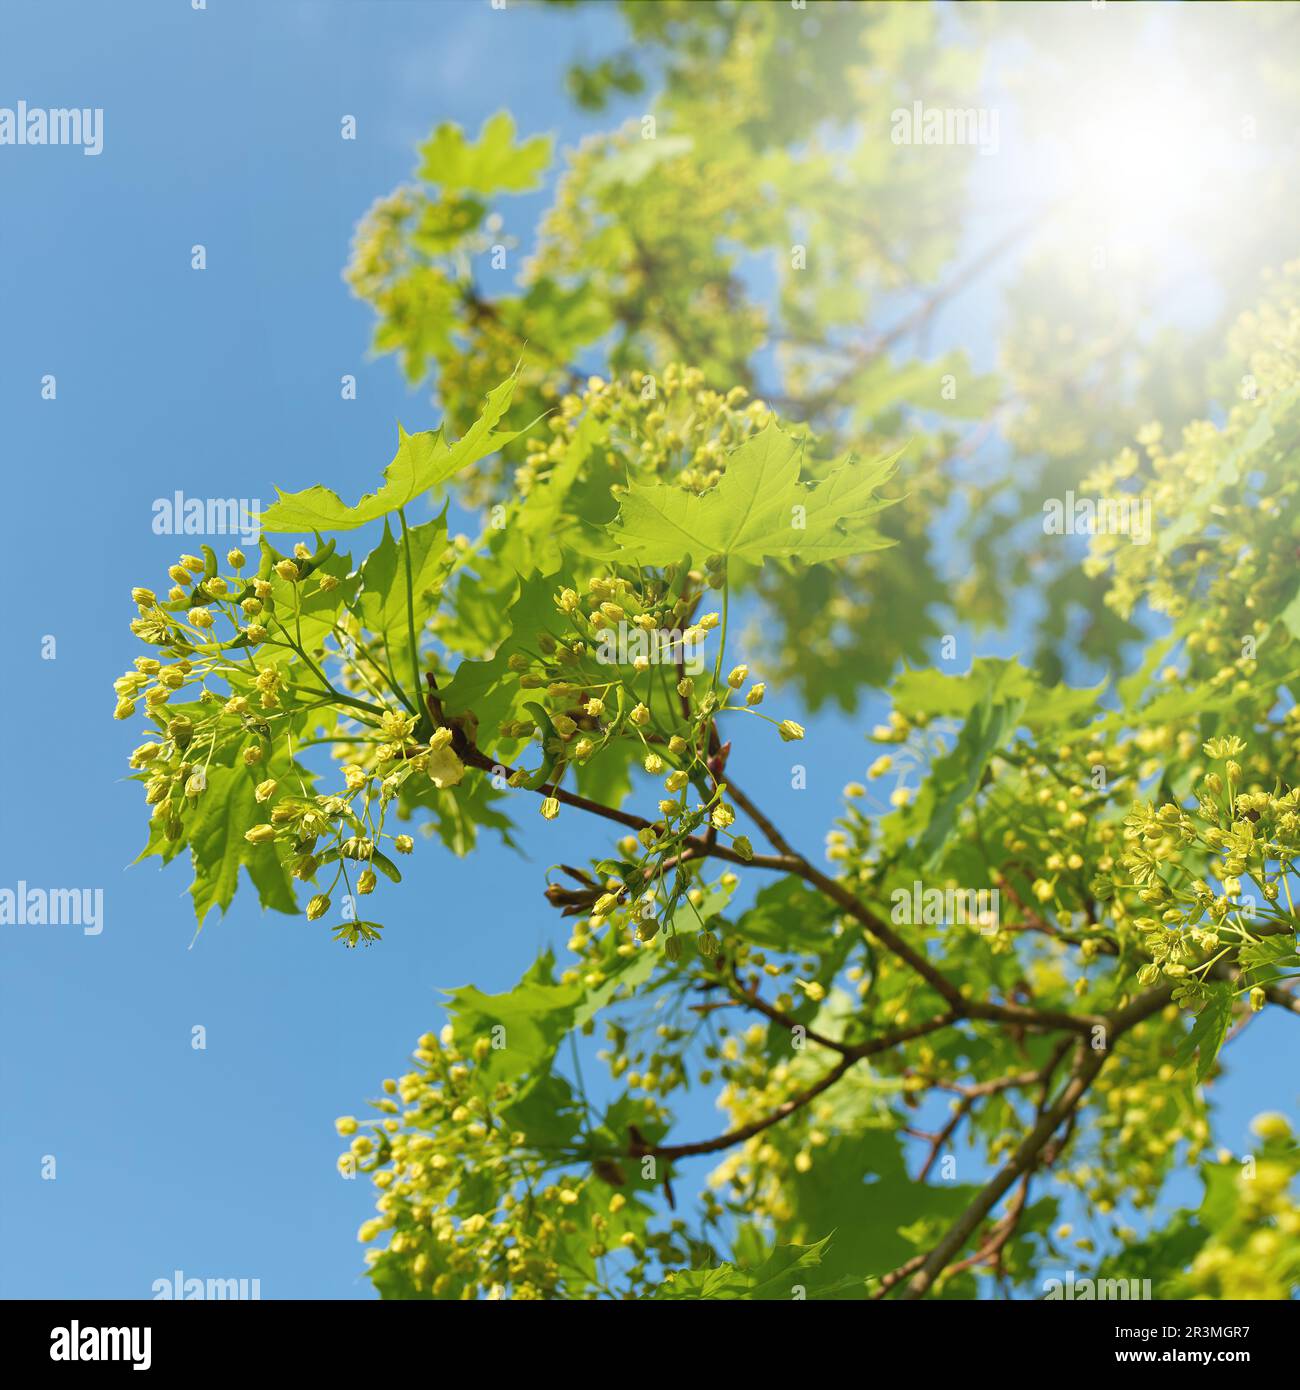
(1088, 1063)
(790, 861)
(947, 991)
(738, 1136)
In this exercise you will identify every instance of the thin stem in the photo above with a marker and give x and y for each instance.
(410, 608)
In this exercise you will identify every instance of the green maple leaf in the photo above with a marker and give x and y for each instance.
(218, 847)
(493, 164)
(422, 462)
(1208, 1032)
(778, 1277)
(382, 604)
(760, 510)
(535, 1015)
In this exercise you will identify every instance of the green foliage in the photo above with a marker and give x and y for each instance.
(1044, 913)
(758, 511)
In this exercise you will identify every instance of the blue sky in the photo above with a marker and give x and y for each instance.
(221, 127)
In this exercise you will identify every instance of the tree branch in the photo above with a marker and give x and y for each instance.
(1088, 1062)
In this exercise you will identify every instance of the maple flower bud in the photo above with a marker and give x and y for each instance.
(178, 574)
(301, 551)
(742, 847)
(564, 726)
(550, 807)
(1233, 770)
(518, 661)
(264, 791)
(567, 601)
(124, 709)
(200, 617)
(584, 748)
(256, 632)
(260, 834)
(756, 693)
(146, 753)
(722, 816)
(192, 562)
(318, 907)
(594, 707)
(685, 686)
(614, 612)
(605, 904)
(677, 745)
(403, 844)
(789, 730)
(669, 808)
(235, 558)
(156, 791)
(647, 836)
(286, 569)
(399, 726)
(1258, 998)
(328, 582)
(640, 715)
(262, 588)
(1271, 1125)
(739, 675)
(251, 606)
(345, 1125)
(252, 756)
(675, 781)
(366, 881)
(709, 621)
(653, 763)
(180, 730)
(197, 783)
(216, 586)
(144, 597)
